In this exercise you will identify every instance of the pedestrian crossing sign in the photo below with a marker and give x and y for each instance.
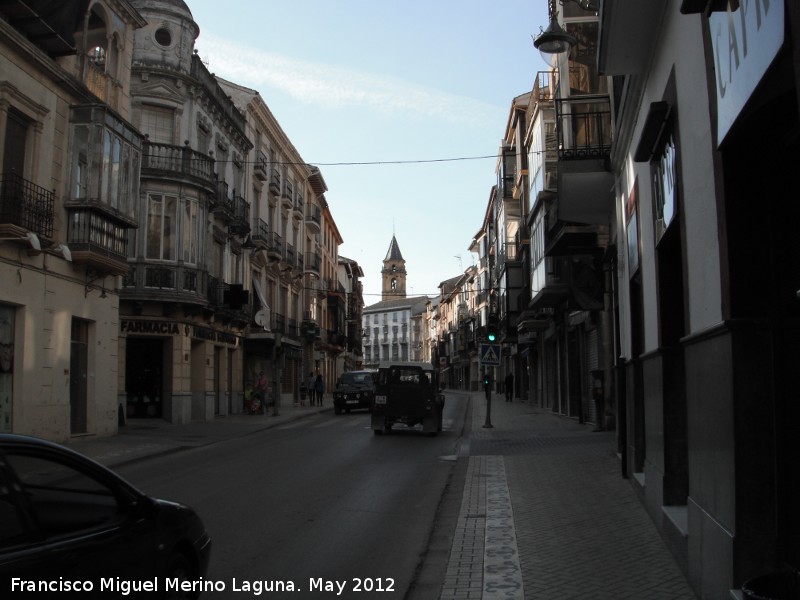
(490, 355)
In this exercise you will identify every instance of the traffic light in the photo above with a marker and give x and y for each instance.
(491, 328)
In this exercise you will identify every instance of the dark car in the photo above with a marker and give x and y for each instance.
(407, 393)
(67, 521)
(354, 389)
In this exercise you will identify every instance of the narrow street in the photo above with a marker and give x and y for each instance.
(320, 498)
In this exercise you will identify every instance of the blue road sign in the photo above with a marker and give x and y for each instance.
(490, 355)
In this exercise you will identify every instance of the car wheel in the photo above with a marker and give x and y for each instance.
(377, 431)
(180, 568)
(337, 410)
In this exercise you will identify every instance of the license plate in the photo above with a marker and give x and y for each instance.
(352, 402)
(380, 399)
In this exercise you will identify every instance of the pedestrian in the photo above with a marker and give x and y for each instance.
(509, 387)
(319, 388)
(310, 388)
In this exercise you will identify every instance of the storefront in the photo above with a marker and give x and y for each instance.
(180, 371)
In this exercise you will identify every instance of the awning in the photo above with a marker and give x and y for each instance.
(259, 292)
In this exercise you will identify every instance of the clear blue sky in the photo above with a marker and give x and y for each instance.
(370, 81)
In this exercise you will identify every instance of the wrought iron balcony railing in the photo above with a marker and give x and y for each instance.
(584, 127)
(26, 205)
(178, 161)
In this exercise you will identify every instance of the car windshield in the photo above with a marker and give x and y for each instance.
(355, 379)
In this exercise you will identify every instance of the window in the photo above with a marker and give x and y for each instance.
(161, 227)
(64, 499)
(191, 231)
(163, 37)
(105, 157)
(17, 126)
(159, 123)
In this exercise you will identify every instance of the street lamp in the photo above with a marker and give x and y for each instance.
(554, 40)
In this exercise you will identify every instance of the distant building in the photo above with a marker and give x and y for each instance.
(393, 273)
(393, 328)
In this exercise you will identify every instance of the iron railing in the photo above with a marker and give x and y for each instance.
(26, 204)
(584, 127)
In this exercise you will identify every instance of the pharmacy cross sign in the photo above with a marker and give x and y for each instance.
(490, 355)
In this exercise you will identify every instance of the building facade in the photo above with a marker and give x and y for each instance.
(282, 257)
(69, 186)
(183, 310)
(162, 240)
(706, 108)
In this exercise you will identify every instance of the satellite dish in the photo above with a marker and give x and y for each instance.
(262, 318)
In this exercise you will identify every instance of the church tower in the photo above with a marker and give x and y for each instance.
(394, 273)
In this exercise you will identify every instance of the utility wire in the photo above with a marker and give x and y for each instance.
(348, 163)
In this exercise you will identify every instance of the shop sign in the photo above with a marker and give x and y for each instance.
(149, 326)
(156, 327)
(212, 335)
(745, 40)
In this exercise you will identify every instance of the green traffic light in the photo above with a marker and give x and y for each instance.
(491, 337)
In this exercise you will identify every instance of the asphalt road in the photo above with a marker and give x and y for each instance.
(320, 506)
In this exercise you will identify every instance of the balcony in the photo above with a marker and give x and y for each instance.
(169, 282)
(287, 197)
(550, 285)
(274, 246)
(299, 207)
(240, 223)
(313, 263)
(97, 241)
(98, 81)
(25, 207)
(181, 163)
(507, 253)
(585, 183)
(313, 219)
(259, 234)
(274, 182)
(565, 238)
(260, 167)
(290, 256)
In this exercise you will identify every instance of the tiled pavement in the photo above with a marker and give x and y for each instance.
(545, 514)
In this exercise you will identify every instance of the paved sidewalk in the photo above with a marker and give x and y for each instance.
(143, 438)
(545, 514)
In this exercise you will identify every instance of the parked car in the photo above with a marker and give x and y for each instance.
(407, 393)
(67, 520)
(354, 389)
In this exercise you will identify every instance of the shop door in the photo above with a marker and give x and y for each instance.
(7, 316)
(78, 373)
(144, 377)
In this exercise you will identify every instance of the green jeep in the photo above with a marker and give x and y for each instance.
(408, 393)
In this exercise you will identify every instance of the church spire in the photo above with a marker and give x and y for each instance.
(393, 273)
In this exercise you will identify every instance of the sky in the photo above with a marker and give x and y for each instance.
(422, 87)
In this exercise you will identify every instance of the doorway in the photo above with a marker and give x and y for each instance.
(144, 377)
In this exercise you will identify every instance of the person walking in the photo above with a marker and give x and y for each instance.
(509, 387)
(319, 388)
